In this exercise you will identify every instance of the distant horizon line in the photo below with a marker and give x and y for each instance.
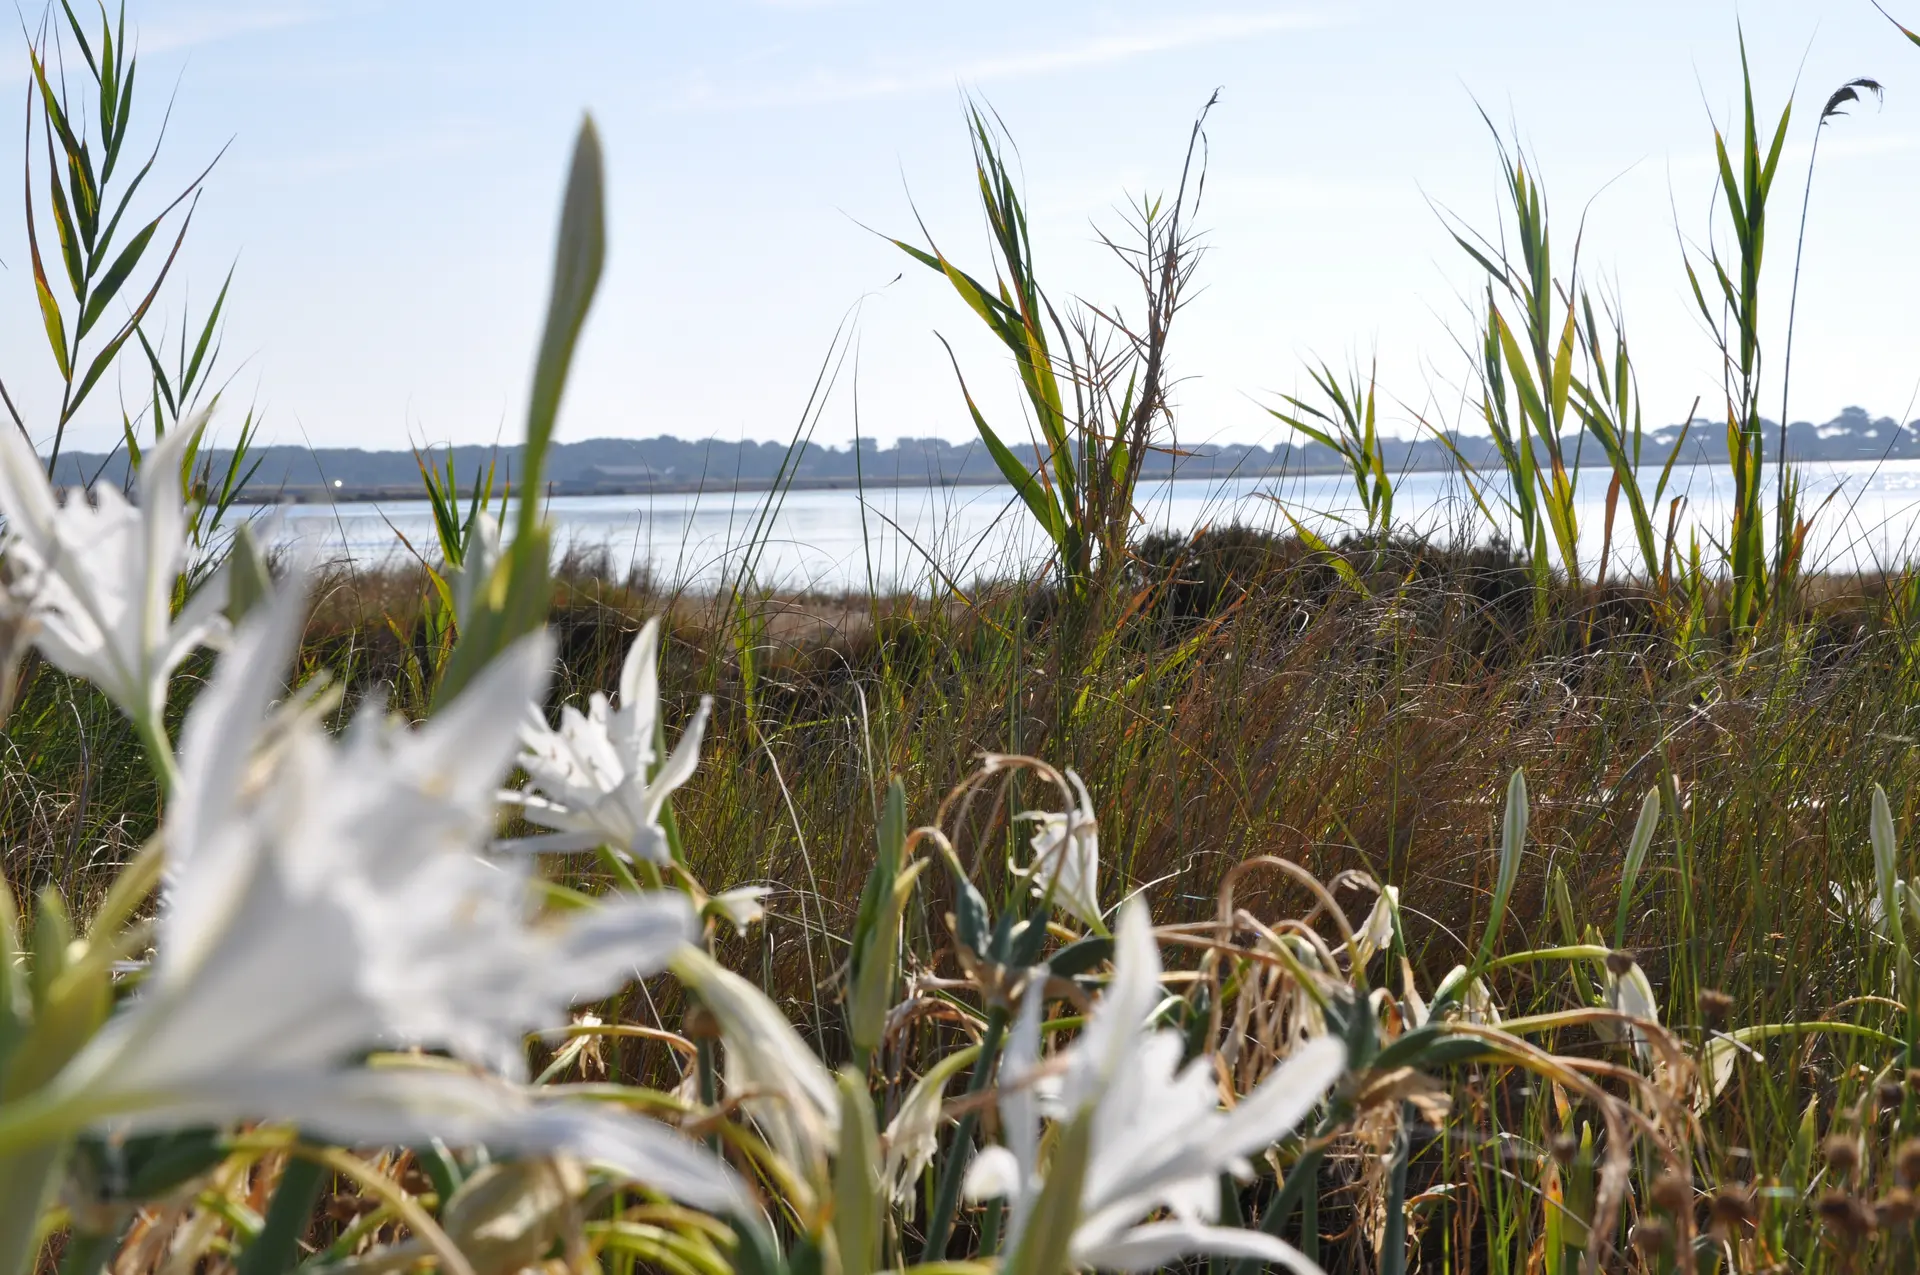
(1848, 413)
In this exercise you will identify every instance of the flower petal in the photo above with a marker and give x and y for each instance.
(993, 1175)
(400, 1106)
(1279, 1103)
(1160, 1244)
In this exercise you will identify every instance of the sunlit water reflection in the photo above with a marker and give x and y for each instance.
(1863, 519)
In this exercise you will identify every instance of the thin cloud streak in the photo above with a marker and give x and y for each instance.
(825, 86)
(206, 26)
(185, 31)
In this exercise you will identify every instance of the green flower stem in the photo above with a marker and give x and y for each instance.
(947, 1196)
(622, 874)
(1393, 1245)
(159, 751)
(277, 1247)
(1299, 1183)
(990, 1227)
(1230, 1215)
(709, 1083)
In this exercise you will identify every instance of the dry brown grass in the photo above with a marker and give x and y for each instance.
(1251, 703)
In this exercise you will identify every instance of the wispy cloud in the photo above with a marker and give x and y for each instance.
(188, 28)
(903, 77)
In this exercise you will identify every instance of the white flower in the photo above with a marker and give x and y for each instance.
(1631, 994)
(594, 780)
(913, 1135)
(99, 576)
(1066, 857)
(1472, 1003)
(1859, 903)
(795, 1100)
(1158, 1138)
(1375, 934)
(325, 899)
(476, 568)
(790, 1093)
(740, 907)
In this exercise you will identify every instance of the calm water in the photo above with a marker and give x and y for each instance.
(914, 537)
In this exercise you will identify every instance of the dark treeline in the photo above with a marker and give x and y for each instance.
(615, 465)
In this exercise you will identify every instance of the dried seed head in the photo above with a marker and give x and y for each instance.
(1731, 1208)
(1671, 1193)
(1906, 1162)
(1619, 963)
(1715, 1007)
(1652, 1236)
(1564, 1147)
(1847, 1217)
(346, 1208)
(699, 1023)
(1895, 1208)
(1891, 1094)
(1913, 1078)
(1841, 1152)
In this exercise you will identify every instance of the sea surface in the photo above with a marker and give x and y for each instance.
(1864, 517)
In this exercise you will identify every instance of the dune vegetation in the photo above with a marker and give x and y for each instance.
(1367, 902)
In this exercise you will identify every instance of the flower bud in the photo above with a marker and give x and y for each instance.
(699, 1023)
(341, 1207)
(1906, 1162)
(1715, 1007)
(506, 1216)
(1652, 1236)
(1848, 1218)
(1841, 1152)
(1730, 1209)
(1671, 1193)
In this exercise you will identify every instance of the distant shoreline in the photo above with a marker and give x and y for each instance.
(667, 466)
(347, 495)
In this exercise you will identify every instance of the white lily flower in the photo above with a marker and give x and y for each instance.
(1158, 1138)
(1375, 934)
(482, 556)
(796, 1102)
(1855, 903)
(740, 907)
(1630, 993)
(1473, 1003)
(594, 780)
(1066, 857)
(1862, 905)
(98, 577)
(912, 1137)
(327, 899)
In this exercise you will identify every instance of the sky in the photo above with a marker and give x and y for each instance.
(389, 195)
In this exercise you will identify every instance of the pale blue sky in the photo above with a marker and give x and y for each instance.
(395, 172)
